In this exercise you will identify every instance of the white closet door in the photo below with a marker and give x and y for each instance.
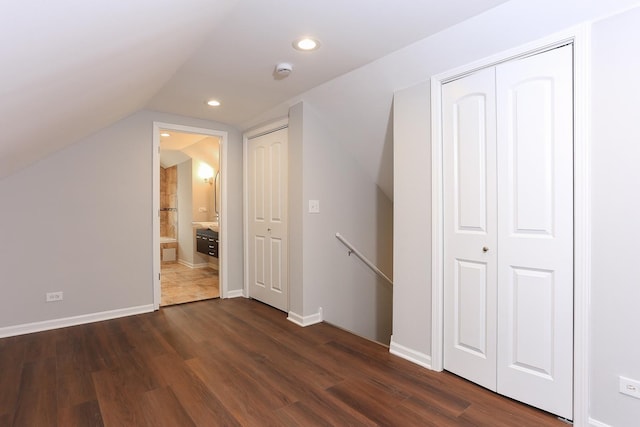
(268, 256)
(468, 108)
(535, 231)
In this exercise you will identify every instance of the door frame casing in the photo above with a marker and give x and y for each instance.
(580, 38)
(270, 127)
(223, 227)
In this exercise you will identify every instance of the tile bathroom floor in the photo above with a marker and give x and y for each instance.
(182, 284)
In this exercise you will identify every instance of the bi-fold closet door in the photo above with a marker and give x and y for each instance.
(508, 228)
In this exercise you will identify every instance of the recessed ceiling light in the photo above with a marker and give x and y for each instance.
(213, 103)
(306, 43)
(165, 134)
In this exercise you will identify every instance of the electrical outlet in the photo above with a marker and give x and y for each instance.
(54, 296)
(630, 387)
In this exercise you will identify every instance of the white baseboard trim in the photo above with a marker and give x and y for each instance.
(303, 321)
(236, 293)
(411, 355)
(191, 265)
(28, 328)
(596, 423)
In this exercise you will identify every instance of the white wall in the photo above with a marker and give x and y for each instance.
(296, 210)
(616, 213)
(350, 294)
(80, 221)
(412, 221)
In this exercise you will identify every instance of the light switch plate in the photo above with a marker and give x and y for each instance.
(314, 206)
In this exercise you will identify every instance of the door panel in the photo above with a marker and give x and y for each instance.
(532, 311)
(268, 281)
(469, 226)
(530, 159)
(470, 287)
(276, 262)
(259, 262)
(275, 153)
(469, 140)
(258, 184)
(535, 192)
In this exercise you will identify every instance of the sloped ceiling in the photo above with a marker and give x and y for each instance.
(71, 68)
(175, 145)
(235, 64)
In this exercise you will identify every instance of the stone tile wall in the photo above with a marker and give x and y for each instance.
(168, 200)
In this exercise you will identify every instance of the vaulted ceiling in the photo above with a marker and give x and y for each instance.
(73, 67)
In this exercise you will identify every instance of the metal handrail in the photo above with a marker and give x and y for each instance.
(363, 258)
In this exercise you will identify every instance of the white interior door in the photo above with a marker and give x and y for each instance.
(267, 263)
(508, 229)
(535, 231)
(469, 153)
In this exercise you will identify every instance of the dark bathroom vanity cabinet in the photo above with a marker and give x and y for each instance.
(207, 242)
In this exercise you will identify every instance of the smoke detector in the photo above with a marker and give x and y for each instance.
(283, 69)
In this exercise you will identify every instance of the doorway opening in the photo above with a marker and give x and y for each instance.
(188, 196)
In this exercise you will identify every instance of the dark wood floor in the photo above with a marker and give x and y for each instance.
(231, 362)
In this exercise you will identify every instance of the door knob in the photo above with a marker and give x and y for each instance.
(485, 249)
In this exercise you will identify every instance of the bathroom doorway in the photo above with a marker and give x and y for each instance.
(188, 199)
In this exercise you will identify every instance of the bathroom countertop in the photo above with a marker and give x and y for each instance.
(211, 225)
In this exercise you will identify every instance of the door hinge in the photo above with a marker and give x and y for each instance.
(158, 276)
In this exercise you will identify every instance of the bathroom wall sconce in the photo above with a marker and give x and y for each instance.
(206, 173)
